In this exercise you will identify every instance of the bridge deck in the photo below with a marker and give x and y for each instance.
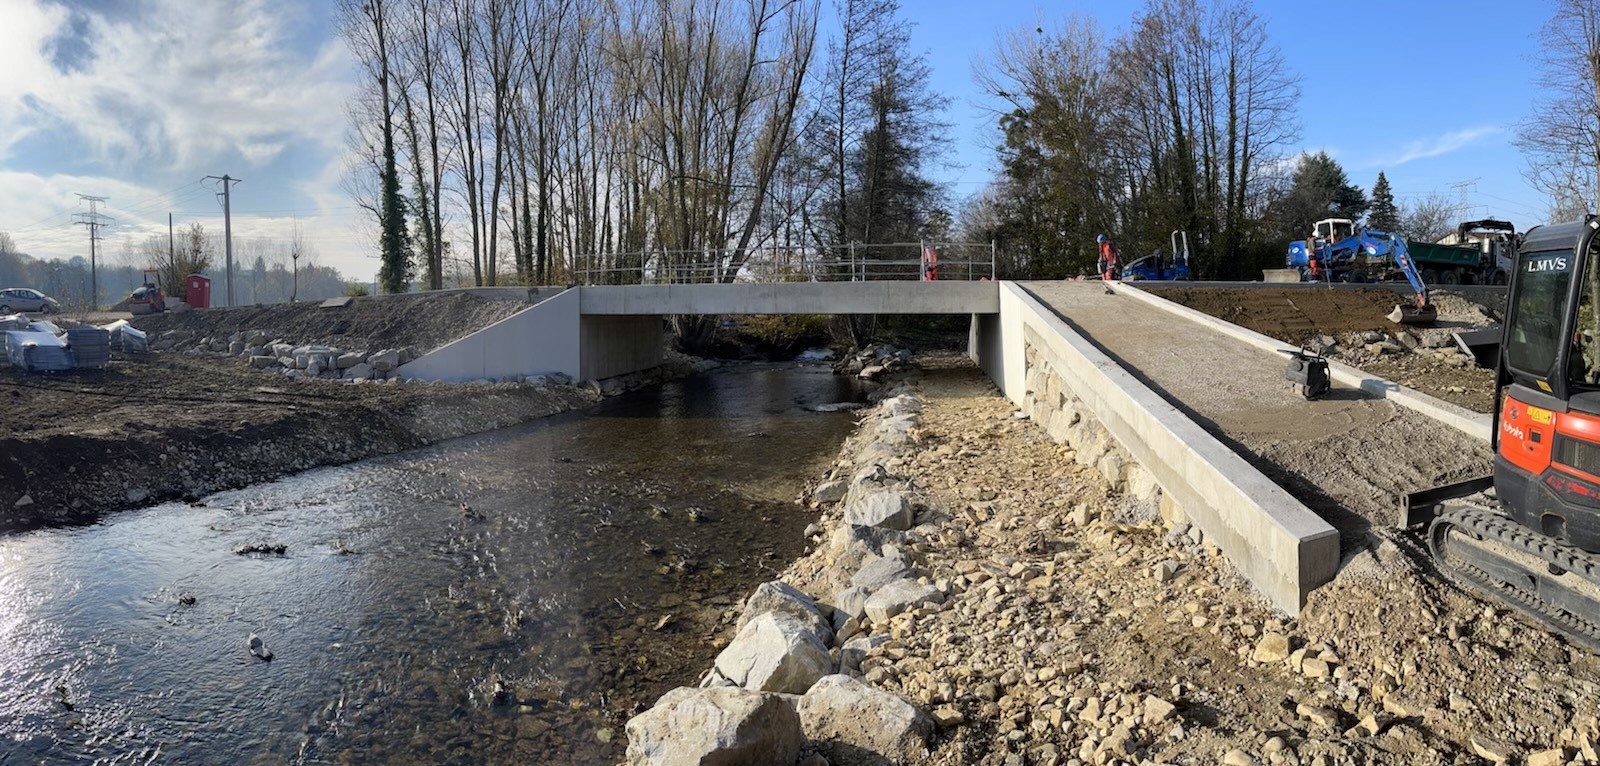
(882, 297)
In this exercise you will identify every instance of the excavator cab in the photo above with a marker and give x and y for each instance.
(1528, 535)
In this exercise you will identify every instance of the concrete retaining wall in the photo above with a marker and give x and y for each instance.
(550, 337)
(1277, 543)
(1460, 418)
(538, 340)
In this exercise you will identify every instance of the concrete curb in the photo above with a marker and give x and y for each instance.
(1471, 423)
(1274, 540)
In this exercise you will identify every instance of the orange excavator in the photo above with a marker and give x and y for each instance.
(1528, 535)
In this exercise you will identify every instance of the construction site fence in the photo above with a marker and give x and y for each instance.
(925, 261)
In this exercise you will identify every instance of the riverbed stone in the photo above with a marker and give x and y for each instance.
(259, 648)
(830, 491)
(775, 652)
(385, 361)
(844, 710)
(847, 603)
(898, 596)
(779, 597)
(855, 650)
(1273, 647)
(851, 545)
(881, 509)
(879, 571)
(712, 727)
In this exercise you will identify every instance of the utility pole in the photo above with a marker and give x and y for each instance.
(227, 228)
(172, 252)
(94, 220)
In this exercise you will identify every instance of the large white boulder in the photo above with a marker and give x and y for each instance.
(715, 727)
(842, 709)
(897, 597)
(830, 491)
(879, 571)
(779, 597)
(385, 360)
(881, 509)
(775, 653)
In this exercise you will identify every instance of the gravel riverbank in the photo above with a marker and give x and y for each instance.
(1039, 615)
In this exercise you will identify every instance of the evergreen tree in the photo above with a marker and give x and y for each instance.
(1320, 189)
(1384, 216)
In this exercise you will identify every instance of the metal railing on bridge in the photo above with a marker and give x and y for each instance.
(906, 261)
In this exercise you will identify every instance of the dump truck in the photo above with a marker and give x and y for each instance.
(1478, 253)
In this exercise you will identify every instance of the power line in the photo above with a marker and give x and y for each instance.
(94, 220)
(156, 201)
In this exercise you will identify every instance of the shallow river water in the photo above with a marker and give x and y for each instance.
(508, 597)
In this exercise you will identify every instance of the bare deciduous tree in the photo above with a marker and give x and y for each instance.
(1561, 138)
(1429, 218)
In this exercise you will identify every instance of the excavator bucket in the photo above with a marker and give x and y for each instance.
(1408, 314)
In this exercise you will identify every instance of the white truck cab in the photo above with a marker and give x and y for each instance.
(1334, 229)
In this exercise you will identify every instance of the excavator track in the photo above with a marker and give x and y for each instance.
(1506, 562)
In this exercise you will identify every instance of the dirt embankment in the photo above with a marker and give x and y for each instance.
(425, 321)
(1292, 314)
(78, 445)
(1421, 358)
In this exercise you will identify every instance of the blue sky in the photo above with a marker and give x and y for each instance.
(172, 90)
(1428, 92)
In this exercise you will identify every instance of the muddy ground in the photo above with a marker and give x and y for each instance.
(1080, 629)
(74, 446)
(425, 321)
(1291, 314)
(1355, 318)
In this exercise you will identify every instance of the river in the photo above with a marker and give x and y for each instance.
(508, 597)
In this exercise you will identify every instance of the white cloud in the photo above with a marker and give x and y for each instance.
(1439, 145)
(179, 83)
(144, 97)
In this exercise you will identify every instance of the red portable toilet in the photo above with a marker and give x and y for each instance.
(197, 291)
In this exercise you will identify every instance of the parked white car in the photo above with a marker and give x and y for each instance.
(15, 299)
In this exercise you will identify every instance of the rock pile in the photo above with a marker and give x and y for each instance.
(804, 653)
(307, 361)
(874, 362)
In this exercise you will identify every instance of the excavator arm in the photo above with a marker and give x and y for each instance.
(1421, 311)
(1408, 267)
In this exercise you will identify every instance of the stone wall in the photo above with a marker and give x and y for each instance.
(1068, 420)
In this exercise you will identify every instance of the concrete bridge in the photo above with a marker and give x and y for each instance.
(590, 333)
(1115, 398)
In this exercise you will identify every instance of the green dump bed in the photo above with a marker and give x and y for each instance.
(1443, 255)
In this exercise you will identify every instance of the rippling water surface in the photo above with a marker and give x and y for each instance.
(510, 597)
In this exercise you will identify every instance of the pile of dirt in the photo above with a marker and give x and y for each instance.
(390, 321)
(76, 445)
(1291, 314)
(1469, 387)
